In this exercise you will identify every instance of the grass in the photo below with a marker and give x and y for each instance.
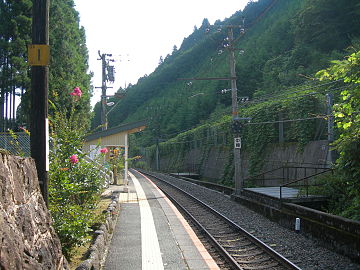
(79, 253)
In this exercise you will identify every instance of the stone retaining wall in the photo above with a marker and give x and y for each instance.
(28, 241)
(97, 251)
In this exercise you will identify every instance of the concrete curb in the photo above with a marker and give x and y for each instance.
(97, 251)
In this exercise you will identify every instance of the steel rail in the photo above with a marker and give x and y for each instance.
(271, 252)
(218, 246)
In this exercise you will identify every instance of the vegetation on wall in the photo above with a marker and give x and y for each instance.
(305, 111)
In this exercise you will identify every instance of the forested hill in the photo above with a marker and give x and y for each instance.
(285, 43)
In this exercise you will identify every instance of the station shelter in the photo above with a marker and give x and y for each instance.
(115, 140)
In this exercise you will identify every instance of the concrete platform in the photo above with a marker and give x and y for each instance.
(275, 192)
(152, 234)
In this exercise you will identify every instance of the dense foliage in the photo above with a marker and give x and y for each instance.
(69, 56)
(75, 184)
(74, 187)
(15, 34)
(285, 44)
(69, 63)
(345, 187)
(281, 49)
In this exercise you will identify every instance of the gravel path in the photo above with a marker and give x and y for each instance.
(304, 252)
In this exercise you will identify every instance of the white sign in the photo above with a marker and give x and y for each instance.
(47, 144)
(237, 143)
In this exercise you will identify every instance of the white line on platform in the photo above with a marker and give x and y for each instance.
(150, 248)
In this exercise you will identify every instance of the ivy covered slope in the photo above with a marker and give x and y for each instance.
(69, 56)
(285, 43)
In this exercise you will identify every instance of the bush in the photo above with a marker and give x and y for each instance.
(74, 184)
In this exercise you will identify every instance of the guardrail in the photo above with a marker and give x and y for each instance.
(282, 175)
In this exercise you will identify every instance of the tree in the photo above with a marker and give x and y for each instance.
(347, 117)
(69, 62)
(15, 30)
(161, 60)
(69, 59)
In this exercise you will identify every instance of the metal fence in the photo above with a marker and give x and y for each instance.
(17, 143)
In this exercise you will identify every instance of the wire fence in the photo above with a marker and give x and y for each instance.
(17, 143)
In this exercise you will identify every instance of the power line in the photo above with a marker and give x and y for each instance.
(289, 120)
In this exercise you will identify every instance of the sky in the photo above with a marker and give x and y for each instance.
(138, 32)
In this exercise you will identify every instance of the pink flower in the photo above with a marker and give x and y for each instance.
(76, 92)
(104, 150)
(74, 159)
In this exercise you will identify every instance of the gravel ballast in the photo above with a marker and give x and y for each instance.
(307, 253)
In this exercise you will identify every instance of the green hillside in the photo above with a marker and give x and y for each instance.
(285, 43)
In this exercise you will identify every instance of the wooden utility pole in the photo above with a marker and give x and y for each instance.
(104, 79)
(235, 116)
(39, 58)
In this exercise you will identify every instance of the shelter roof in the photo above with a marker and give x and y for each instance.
(125, 128)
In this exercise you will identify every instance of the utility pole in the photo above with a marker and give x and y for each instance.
(107, 75)
(237, 125)
(239, 182)
(39, 59)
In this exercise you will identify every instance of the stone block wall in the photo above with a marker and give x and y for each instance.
(27, 239)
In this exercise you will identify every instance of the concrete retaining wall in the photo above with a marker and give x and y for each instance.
(343, 235)
(211, 163)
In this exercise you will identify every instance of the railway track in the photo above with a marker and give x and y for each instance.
(237, 247)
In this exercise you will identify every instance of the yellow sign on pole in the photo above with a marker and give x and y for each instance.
(39, 55)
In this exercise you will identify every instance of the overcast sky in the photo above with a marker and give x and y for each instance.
(138, 32)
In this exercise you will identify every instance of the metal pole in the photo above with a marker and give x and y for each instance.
(39, 97)
(330, 125)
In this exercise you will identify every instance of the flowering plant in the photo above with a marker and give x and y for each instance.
(76, 92)
(104, 150)
(74, 184)
(74, 159)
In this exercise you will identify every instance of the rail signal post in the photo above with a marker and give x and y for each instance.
(38, 53)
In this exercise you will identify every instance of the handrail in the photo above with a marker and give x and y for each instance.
(262, 176)
(302, 179)
(307, 177)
